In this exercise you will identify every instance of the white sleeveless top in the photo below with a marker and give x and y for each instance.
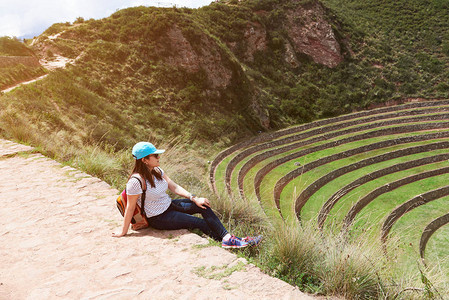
(156, 199)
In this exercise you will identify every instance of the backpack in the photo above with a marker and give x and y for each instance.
(139, 220)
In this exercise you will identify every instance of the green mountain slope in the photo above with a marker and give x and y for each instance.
(214, 75)
(407, 41)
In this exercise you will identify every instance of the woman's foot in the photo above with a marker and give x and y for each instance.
(253, 240)
(234, 242)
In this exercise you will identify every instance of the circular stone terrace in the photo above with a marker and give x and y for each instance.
(382, 172)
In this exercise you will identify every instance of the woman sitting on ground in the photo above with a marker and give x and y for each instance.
(166, 214)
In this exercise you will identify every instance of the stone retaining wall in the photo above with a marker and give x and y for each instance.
(10, 61)
(265, 155)
(266, 137)
(408, 206)
(361, 114)
(380, 132)
(219, 158)
(330, 203)
(385, 131)
(429, 231)
(281, 184)
(305, 195)
(226, 152)
(367, 199)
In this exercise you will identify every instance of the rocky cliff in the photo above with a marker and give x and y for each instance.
(311, 33)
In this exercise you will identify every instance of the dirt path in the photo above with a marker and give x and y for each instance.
(55, 243)
(56, 63)
(24, 82)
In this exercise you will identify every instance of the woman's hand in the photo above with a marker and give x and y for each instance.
(201, 202)
(129, 211)
(118, 234)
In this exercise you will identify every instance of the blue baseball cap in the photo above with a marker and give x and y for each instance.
(142, 149)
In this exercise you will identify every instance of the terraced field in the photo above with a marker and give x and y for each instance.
(383, 172)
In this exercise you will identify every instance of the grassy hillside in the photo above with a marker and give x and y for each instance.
(144, 59)
(407, 41)
(13, 47)
(11, 74)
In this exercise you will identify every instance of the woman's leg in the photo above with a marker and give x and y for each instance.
(189, 207)
(172, 219)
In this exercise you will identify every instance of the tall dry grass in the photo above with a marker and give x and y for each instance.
(325, 264)
(342, 266)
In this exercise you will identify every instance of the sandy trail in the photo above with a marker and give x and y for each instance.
(55, 243)
(56, 63)
(23, 83)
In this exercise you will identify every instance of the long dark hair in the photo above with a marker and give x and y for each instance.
(142, 169)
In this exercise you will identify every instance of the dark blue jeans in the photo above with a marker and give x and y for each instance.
(179, 216)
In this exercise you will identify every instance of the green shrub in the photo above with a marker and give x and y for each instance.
(445, 47)
(79, 20)
(56, 28)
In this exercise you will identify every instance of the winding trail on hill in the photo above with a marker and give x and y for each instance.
(55, 242)
(23, 83)
(56, 63)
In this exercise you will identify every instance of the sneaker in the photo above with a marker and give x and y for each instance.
(253, 240)
(234, 242)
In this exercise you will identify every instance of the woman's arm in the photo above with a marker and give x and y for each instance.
(175, 188)
(179, 190)
(129, 211)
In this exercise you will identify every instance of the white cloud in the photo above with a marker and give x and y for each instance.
(10, 25)
(32, 17)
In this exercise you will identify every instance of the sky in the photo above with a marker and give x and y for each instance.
(29, 18)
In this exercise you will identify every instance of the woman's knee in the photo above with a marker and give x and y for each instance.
(208, 212)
